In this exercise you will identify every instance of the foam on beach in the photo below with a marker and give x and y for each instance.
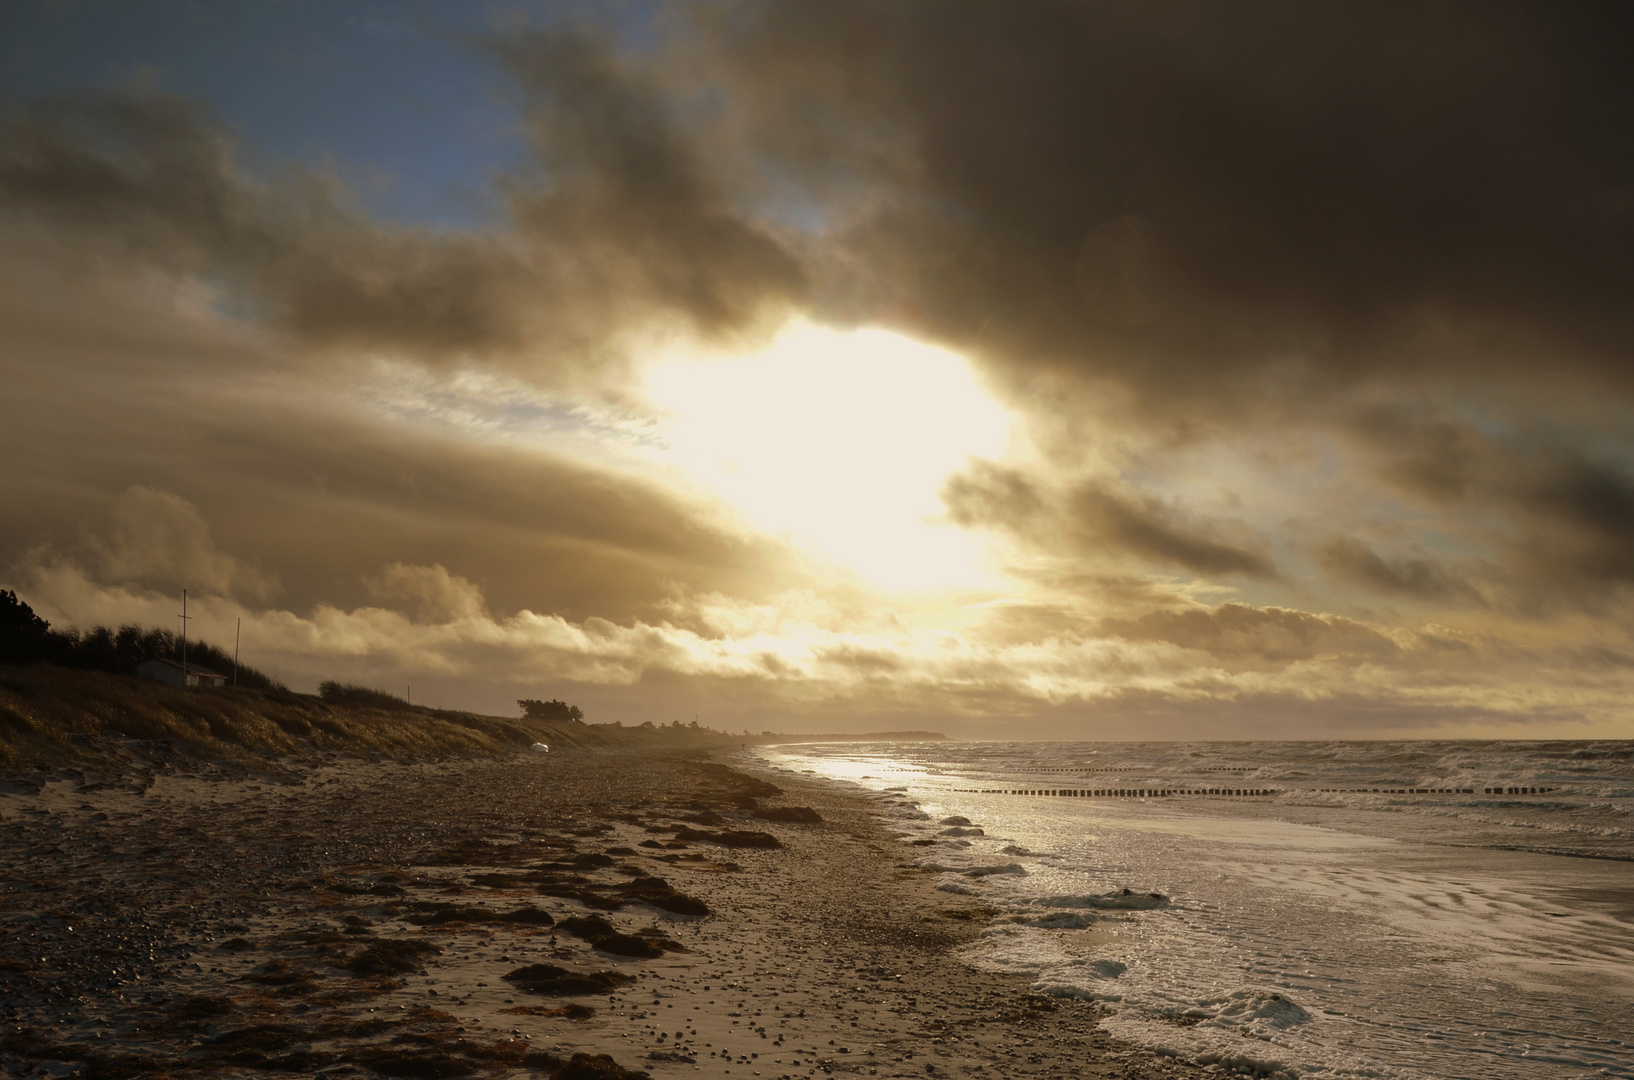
(1355, 921)
(1057, 920)
(1120, 900)
(973, 870)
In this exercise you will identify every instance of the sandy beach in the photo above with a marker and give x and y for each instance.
(584, 914)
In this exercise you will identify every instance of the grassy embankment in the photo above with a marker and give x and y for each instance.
(52, 716)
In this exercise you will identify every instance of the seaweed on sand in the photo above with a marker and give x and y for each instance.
(604, 936)
(586, 926)
(739, 787)
(628, 945)
(571, 1011)
(427, 1063)
(552, 981)
(442, 914)
(599, 1067)
(730, 838)
(660, 894)
(584, 893)
(391, 957)
(798, 815)
(435, 1056)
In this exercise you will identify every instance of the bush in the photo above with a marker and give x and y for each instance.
(25, 638)
(336, 693)
(550, 710)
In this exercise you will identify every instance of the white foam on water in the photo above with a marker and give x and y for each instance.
(1057, 920)
(1121, 900)
(1323, 934)
(974, 870)
(1023, 950)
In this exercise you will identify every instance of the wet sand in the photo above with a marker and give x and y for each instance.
(584, 914)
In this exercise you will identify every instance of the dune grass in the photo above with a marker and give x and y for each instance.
(51, 716)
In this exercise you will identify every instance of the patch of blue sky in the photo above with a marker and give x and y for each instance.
(397, 93)
(492, 407)
(1608, 443)
(785, 203)
(400, 102)
(222, 298)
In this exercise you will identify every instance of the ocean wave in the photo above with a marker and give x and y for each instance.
(1084, 979)
(1015, 869)
(1254, 1008)
(1249, 878)
(976, 871)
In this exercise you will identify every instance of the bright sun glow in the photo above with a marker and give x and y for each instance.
(840, 441)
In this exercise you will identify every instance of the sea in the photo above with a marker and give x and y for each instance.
(1403, 910)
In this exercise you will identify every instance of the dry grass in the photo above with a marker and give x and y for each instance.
(51, 716)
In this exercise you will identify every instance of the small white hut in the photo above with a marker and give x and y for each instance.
(172, 673)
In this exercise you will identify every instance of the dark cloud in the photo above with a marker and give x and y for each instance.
(1375, 256)
(279, 487)
(145, 171)
(153, 179)
(1242, 632)
(627, 208)
(1559, 515)
(1579, 520)
(323, 508)
(615, 230)
(1195, 199)
(1428, 455)
(539, 531)
(1200, 202)
(1421, 579)
(1150, 530)
(1093, 521)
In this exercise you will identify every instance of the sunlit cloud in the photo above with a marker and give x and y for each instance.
(803, 651)
(840, 441)
(830, 355)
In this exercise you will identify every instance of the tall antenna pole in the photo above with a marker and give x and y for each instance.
(237, 633)
(184, 639)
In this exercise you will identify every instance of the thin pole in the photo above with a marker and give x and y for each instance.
(410, 691)
(237, 633)
(184, 639)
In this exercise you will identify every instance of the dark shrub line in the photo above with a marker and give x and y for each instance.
(25, 638)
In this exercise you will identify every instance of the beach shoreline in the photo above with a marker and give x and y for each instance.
(361, 918)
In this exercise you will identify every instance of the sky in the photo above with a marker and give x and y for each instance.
(1096, 370)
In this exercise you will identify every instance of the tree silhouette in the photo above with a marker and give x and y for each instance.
(549, 710)
(24, 636)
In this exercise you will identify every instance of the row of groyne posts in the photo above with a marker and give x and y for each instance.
(1214, 792)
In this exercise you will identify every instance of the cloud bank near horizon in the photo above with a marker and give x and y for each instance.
(1310, 326)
